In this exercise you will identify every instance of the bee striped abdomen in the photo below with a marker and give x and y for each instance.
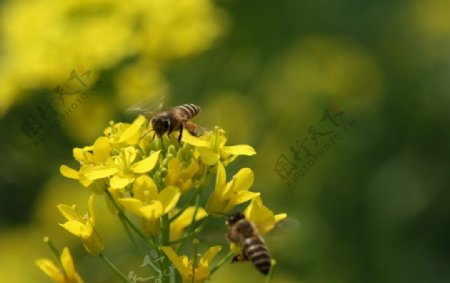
(256, 251)
(189, 110)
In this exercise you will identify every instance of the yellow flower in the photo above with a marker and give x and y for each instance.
(184, 220)
(121, 134)
(128, 169)
(186, 267)
(95, 156)
(67, 275)
(228, 195)
(150, 205)
(179, 175)
(121, 169)
(100, 34)
(262, 216)
(211, 147)
(83, 226)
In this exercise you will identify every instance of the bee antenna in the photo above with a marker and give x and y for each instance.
(148, 132)
(221, 213)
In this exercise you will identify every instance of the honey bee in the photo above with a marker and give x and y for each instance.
(244, 233)
(167, 121)
(175, 119)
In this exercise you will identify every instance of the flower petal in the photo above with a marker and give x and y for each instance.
(133, 130)
(144, 189)
(78, 154)
(280, 217)
(68, 211)
(102, 149)
(177, 261)
(169, 198)
(75, 227)
(173, 171)
(49, 268)
(241, 149)
(91, 209)
(259, 214)
(119, 182)
(243, 179)
(178, 225)
(68, 172)
(152, 211)
(242, 197)
(67, 262)
(146, 164)
(209, 255)
(220, 178)
(132, 205)
(94, 172)
(195, 141)
(208, 156)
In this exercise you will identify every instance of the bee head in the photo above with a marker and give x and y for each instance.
(235, 217)
(161, 125)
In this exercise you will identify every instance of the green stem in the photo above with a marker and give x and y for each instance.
(133, 240)
(270, 275)
(188, 234)
(193, 233)
(55, 253)
(194, 258)
(165, 241)
(220, 263)
(114, 268)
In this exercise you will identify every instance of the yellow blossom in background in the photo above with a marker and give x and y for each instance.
(43, 40)
(191, 273)
(68, 273)
(227, 195)
(211, 147)
(150, 205)
(82, 227)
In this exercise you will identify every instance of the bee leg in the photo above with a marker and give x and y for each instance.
(239, 258)
(192, 128)
(180, 135)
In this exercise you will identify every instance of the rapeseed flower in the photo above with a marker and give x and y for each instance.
(82, 227)
(149, 204)
(180, 175)
(212, 149)
(190, 271)
(67, 273)
(178, 226)
(150, 178)
(264, 219)
(227, 195)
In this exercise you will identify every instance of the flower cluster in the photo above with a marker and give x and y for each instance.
(162, 183)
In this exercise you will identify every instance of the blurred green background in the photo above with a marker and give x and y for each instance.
(374, 207)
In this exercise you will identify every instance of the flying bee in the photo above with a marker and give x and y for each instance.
(244, 233)
(167, 121)
(175, 119)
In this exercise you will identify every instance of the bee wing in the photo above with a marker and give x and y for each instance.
(285, 226)
(149, 105)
